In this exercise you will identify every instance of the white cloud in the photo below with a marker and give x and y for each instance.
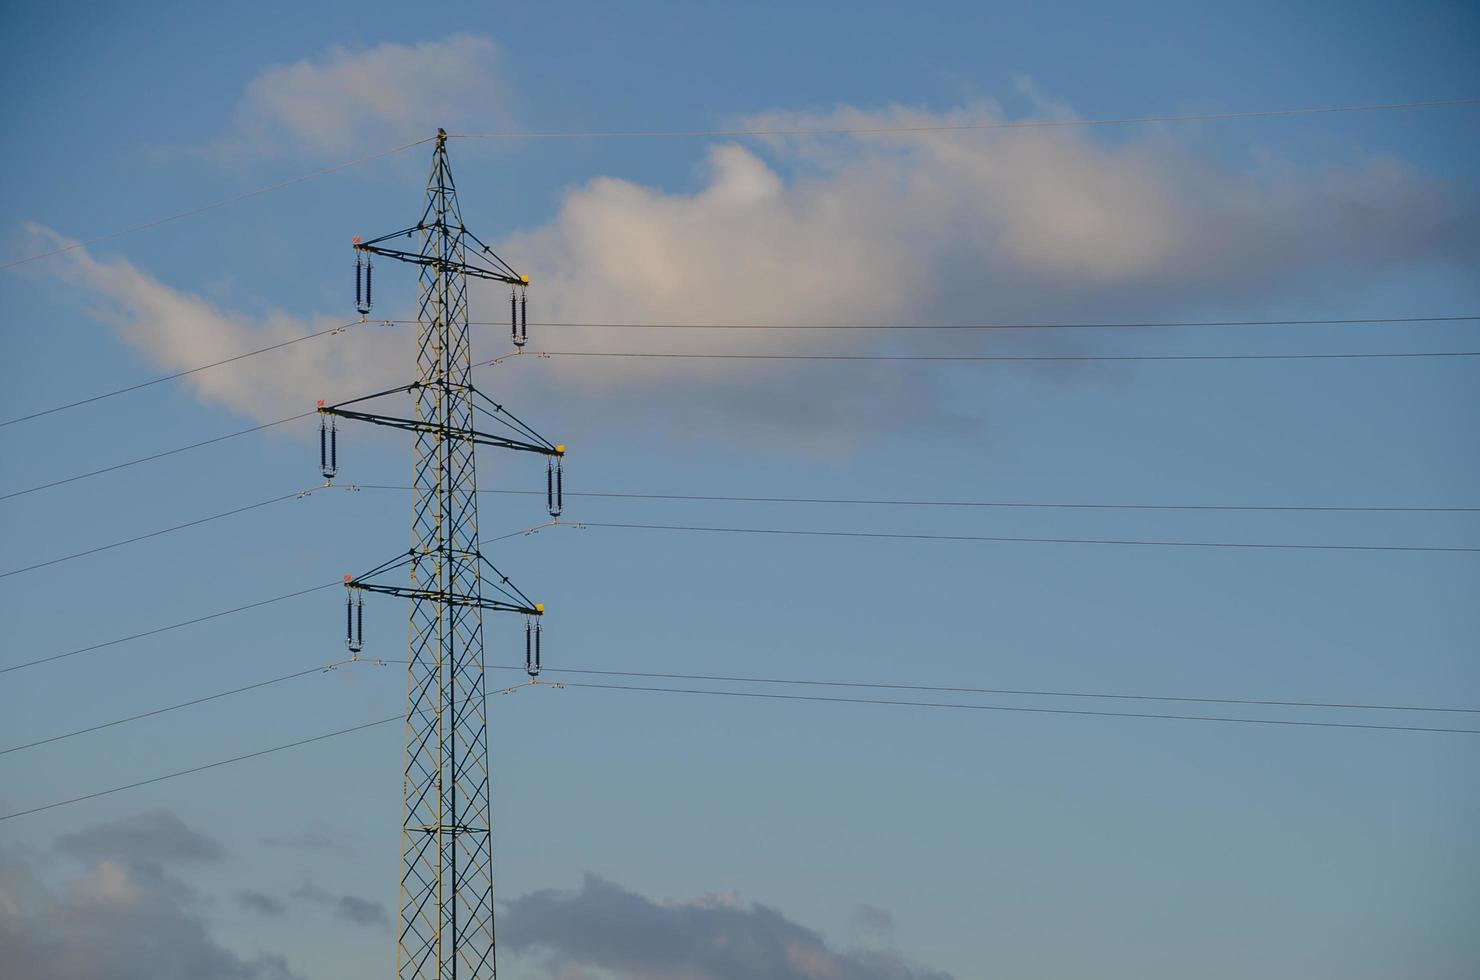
(349, 101)
(179, 330)
(983, 226)
(995, 224)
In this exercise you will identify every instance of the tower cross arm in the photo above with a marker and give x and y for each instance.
(474, 436)
(450, 598)
(446, 265)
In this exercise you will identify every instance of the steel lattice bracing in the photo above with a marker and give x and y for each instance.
(446, 844)
(446, 906)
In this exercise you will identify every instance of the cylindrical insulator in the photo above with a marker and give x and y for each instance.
(513, 317)
(528, 650)
(550, 487)
(359, 622)
(369, 284)
(359, 282)
(560, 486)
(328, 449)
(523, 316)
(349, 622)
(537, 630)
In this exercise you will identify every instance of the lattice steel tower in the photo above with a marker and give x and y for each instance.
(446, 914)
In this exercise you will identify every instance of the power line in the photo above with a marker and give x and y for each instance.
(154, 534)
(159, 455)
(805, 500)
(1026, 709)
(965, 127)
(790, 681)
(178, 374)
(731, 498)
(1016, 692)
(807, 326)
(207, 617)
(1087, 325)
(164, 710)
(167, 628)
(968, 358)
(213, 205)
(737, 133)
(202, 768)
(757, 357)
(1027, 540)
(938, 705)
(990, 503)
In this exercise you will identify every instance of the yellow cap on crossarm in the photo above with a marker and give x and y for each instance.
(539, 607)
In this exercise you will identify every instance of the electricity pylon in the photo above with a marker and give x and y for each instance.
(446, 915)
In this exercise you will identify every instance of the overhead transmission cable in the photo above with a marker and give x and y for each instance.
(207, 617)
(1027, 325)
(787, 531)
(738, 133)
(808, 698)
(201, 768)
(730, 679)
(1347, 321)
(180, 374)
(154, 456)
(167, 627)
(982, 358)
(1006, 539)
(160, 711)
(964, 126)
(1014, 692)
(669, 527)
(1005, 504)
(1026, 709)
(154, 534)
(223, 202)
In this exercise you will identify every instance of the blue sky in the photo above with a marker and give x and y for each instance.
(926, 842)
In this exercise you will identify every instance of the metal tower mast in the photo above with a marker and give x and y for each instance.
(446, 914)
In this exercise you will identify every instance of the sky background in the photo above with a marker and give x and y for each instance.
(863, 841)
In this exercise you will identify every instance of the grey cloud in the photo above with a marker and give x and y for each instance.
(158, 837)
(123, 918)
(873, 921)
(361, 911)
(349, 908)
(262, 904)
(605, 927)
(308, 840)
